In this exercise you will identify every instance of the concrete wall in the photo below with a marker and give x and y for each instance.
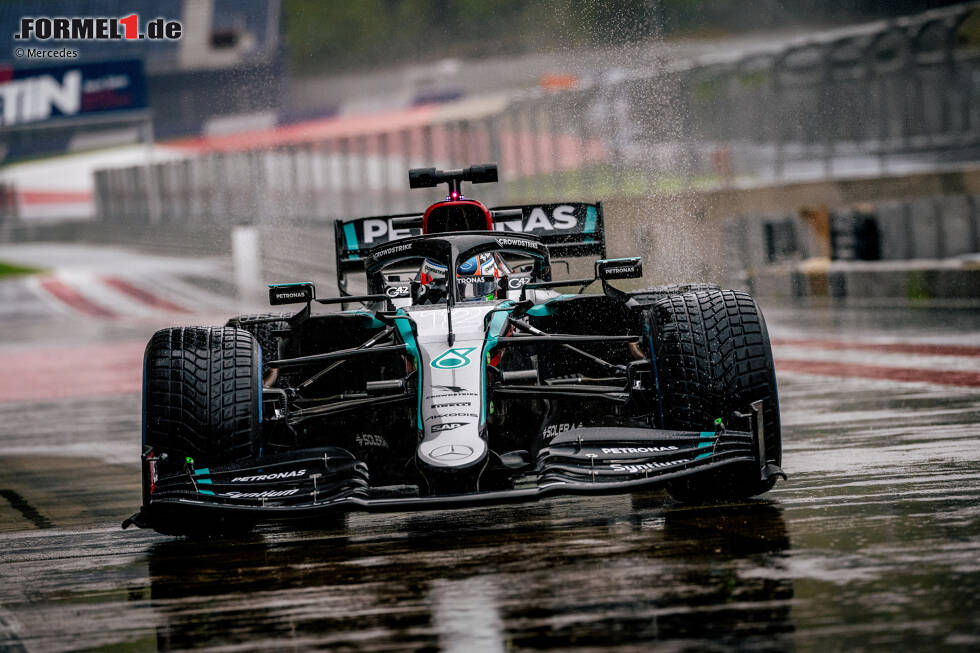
(697, 236)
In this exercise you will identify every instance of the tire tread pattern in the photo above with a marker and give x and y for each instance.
(263, 331)
(201, 393)
(714, 357)
(648, 296)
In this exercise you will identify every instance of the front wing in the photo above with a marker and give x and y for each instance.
(580, 461)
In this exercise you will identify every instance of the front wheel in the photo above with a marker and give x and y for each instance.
(713, 358)
(201, 406)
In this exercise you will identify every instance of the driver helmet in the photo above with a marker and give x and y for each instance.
(472, 275)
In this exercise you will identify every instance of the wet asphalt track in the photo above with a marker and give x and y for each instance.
(873, 544)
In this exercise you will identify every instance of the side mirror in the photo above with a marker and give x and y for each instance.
(619, 268)
(397, 290)
(291, 293)
(514, 281)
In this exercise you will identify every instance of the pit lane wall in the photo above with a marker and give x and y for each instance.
(889, 240)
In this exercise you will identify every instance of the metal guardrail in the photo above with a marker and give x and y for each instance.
(880, 98)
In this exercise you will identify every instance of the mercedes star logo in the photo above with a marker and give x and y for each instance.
(451, 452)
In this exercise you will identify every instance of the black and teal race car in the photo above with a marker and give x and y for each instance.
(462, 377)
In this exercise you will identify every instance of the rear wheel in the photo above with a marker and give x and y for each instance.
(648, 296)
(201, 399)
(714, 358)
(264, 331)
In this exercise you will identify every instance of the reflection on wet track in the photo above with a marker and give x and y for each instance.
(873, 544)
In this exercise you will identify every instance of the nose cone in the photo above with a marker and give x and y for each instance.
(450, 449)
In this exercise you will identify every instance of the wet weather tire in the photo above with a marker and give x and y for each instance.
(201, 393)
(648, 296)
(714, 358)
(201, 397)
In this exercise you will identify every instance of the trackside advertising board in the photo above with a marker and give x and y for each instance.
(33, 96)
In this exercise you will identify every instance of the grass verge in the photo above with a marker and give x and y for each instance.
(8, 270)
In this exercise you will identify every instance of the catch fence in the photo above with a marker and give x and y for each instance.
(876, 99)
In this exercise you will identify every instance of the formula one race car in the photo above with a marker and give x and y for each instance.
(462, 378)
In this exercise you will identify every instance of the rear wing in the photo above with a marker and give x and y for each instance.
(567, 229)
